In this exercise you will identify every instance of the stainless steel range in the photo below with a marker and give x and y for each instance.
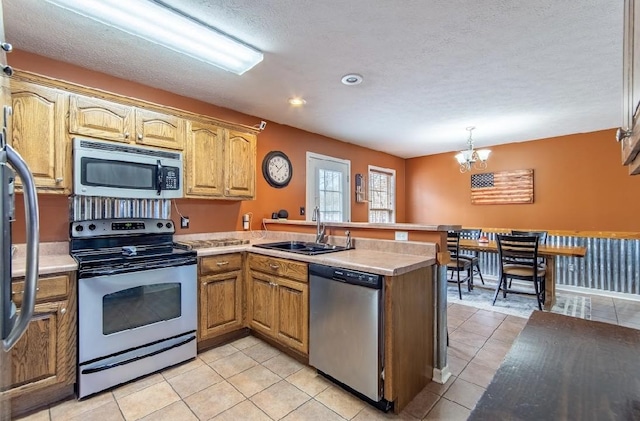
(137, 310)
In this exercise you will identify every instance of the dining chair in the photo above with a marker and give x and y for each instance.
(471, 234)
(457, 264)
(518, 256)
(542, 236)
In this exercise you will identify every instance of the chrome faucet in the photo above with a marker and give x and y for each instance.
(320, 228)
(349, 243)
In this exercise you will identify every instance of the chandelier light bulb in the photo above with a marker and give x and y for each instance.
(470, 158)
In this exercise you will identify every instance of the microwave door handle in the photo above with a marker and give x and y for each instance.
(32, 230)
(159, 177)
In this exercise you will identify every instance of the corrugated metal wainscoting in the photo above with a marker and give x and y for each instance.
(610, 264)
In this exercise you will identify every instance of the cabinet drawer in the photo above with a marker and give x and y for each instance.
(280, 267)
(53, 287)
(219, 264)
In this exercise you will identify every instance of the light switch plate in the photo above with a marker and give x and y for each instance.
(402, 236)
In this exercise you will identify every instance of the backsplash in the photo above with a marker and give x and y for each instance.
(92, 207)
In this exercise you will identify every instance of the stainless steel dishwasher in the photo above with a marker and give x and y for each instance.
(345, 330)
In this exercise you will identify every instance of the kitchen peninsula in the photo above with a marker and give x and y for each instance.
(408, 329)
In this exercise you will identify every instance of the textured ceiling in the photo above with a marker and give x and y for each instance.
(517, 70)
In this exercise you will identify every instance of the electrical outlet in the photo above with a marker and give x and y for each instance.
(302, 210)
(184, 222)
(571, 267)
(402, 236)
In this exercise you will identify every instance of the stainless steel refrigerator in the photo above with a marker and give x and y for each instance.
(13, 321)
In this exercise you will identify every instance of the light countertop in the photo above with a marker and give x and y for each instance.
(380, 257)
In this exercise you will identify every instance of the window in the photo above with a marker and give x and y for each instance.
(382, 186)
(328, 188)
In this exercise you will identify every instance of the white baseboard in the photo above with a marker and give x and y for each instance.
(441, 375)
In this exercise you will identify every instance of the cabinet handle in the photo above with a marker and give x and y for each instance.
(273, 266)
(273, 284)
(20, 292)
(63, 310)
(139, 136)
(126, 135)
(222, 263)
(59, 180)
(8, 70)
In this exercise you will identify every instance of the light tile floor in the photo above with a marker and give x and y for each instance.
(250, 380)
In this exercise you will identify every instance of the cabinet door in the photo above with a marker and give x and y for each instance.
(240, 165)
(100, 118)
(160, 130)
(293, 314)
(39, 135)
(204, 160)
(220, 304)
(46, 354)
(261, 302)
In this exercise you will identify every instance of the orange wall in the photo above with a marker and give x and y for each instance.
(579, 184)
(212, 215)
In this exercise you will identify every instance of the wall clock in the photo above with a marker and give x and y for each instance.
(277, 169)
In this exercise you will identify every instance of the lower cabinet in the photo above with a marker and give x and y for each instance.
(278, 300)
(44, 359)
(219, 295)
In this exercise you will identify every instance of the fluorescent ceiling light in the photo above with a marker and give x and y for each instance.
(168, 28)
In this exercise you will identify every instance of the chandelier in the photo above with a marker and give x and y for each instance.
(471, 158)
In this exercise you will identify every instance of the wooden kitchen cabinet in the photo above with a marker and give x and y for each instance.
(39, 135)
(278, 300)
(204, 160)
(220, 298)
(220, 163)
(240, 165)
(43, 362)
(107, 120)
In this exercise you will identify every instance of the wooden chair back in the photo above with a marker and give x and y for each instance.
(518, 249)
(542, 235)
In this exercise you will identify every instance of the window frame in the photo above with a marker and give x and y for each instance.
(392, 193)
(310, 199)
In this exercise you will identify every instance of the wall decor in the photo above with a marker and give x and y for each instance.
(502, 187)
(277, 169)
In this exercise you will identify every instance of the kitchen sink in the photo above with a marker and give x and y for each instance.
(301, 247)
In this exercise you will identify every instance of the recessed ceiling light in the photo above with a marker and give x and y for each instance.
(352, 79)
(297, 102)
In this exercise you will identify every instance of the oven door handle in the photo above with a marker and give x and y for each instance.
(159, 177)
(136, 358)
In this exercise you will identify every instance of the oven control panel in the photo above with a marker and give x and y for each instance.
(101, 227)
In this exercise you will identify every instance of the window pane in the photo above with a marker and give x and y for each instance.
(331, 195)
(381, 194)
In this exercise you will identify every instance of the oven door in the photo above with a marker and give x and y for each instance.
(128, 310)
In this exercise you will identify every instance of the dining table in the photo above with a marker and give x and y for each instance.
(565, 368)
(549, 252)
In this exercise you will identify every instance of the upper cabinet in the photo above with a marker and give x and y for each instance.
(219, 157)
(220, 163)
(240, 165)
(39, 134)
(108, 120)
(204, 162)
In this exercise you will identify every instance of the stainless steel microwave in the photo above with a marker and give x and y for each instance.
(111, 169)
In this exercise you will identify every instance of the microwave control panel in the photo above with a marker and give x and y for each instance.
(171, 178)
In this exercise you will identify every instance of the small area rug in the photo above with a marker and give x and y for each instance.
(518, 305)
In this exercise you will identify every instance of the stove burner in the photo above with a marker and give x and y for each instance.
(107, 249)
